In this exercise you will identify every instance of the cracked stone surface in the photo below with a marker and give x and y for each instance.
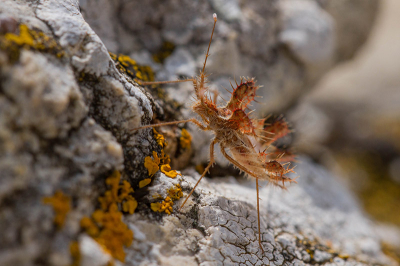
(218, 226)
(66, 120)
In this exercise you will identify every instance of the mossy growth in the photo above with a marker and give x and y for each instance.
(105, 224)
(61, 205)
(28, 39)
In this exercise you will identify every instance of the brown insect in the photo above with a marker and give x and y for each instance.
(243, 141)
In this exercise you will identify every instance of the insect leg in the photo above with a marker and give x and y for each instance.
(235, 163)
(193, 120)
(163, 82)
(216, 93)
(205, 171)
(258, 216)
(209, 44)
(258, 197)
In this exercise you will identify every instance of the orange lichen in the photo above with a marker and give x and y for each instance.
(166, 169)
(24, 37)
(165, 158)
(185, 140)
(129, 66)
(159, 138)
(126, 61)
(28, 39)
(199, 168)
(174, 193)
(75, 253)
(144, 182)
(105, 225)
(124, 190)
(155, 206)
(129, 205)
(166, 50)
(90, 226)
(61, 206)
(114, 233)
(165, 206)
(152, 164)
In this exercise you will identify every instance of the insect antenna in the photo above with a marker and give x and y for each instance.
(208, 50)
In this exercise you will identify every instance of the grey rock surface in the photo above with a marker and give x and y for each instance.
(315, 222)
(66, 120)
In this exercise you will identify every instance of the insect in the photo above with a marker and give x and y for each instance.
(245, 142)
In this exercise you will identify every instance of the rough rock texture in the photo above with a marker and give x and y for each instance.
(65, 117)
(316, 222)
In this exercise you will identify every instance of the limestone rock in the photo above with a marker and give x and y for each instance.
(66, 117)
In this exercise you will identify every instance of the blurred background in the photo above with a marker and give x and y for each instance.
(350, 123)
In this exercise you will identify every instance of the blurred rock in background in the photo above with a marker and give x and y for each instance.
(357, 106)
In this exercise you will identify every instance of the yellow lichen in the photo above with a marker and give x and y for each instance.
(90, 227)
(75, 253)
(200, 168)
(166, 169)
(129, 205)
(175, 192)
(105, 225)
(144, 182)
(124, 190)
(61, 206)
(28, 39)
(126, 61)
(166, 50)
(165, 206)
(165, 158)
(152, 164)
(129, 66)
(114, 233)
(24, 37)
(155, 206)
(159, 138)
(185, 140)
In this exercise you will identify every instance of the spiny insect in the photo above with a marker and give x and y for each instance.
(245, 142)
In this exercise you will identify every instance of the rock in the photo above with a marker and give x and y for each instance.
(67, 110)
(251, 38)
(92, 253)
(316, 216)
(308, 31)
